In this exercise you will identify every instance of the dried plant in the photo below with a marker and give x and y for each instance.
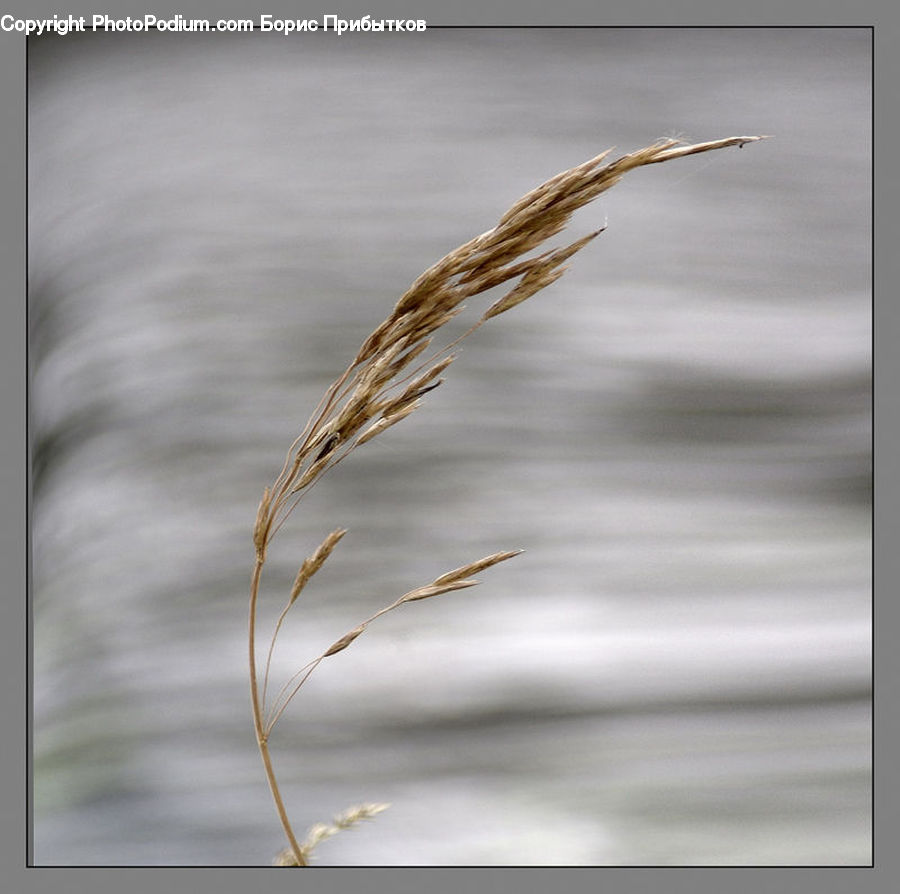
(321, 831)
(393, 370)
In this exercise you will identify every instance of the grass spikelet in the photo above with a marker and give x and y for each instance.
(435, 590)
(391, 418)
(260, 526)
(344, 641)
(311, 565)
(476, 567)
(318, 833)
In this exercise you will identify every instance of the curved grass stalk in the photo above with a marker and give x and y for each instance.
(369, 397)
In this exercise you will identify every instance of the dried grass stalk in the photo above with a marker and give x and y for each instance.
(386, 381)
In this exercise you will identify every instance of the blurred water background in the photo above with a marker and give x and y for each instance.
(677, 671)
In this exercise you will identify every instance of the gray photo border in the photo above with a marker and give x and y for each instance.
(14, 654)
